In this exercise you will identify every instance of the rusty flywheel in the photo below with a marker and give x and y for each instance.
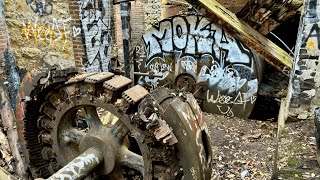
(131, 133)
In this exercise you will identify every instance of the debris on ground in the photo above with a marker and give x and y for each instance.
(297, 151)
(243, 149)
(5, 152)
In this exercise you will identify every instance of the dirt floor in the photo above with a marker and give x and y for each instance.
(297, 151)
(243, 149)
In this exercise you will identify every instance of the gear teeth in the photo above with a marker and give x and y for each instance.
(135, 94)
(55, 99)
(100, 77)
(45, 137)
(48, 109)
(71, 89)
(164, 132)
(117, 83)
(44, 122)
(79, 78)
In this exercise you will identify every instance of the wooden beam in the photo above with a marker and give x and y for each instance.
(269, 51)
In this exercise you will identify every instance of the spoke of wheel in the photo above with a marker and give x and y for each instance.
(92, 117)
(130, 159)
(73, 136)
(119, 130)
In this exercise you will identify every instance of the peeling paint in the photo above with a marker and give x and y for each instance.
(13, 78)
(305, 82)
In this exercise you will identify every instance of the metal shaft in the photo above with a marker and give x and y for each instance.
(81, 166)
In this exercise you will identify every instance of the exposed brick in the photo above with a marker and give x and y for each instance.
(77, 41)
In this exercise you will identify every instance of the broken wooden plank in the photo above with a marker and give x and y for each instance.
(269, 51)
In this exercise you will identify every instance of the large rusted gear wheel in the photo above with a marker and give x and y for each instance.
(157, 135)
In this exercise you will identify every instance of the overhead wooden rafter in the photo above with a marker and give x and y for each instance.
(257, 42)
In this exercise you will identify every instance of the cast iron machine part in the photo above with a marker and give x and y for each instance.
(95, 125)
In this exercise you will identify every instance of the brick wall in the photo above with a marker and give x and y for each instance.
(3, 41)
(143, 13)
(78, 48)
(138, 25)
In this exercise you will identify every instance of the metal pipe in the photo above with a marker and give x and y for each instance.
(148, 74)
(125, 8)
(81, 166)
(131, 159)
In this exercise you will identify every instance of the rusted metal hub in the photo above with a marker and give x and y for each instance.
(87, 130)
(109, 144)
(101, 148)
(185, 82)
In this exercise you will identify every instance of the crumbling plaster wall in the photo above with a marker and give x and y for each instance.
(305, 78)
(39, 29)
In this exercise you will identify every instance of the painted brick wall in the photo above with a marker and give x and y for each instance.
(305, 79)
(78, 48)
(138, 25)
(143, 14)
(3, 41)
(97, 31)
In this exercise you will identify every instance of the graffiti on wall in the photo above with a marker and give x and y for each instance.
(96, 28)
(306, 73)
(187, 49)
(312, 39)
(13, 78)
(54, 32)
(41, 7)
